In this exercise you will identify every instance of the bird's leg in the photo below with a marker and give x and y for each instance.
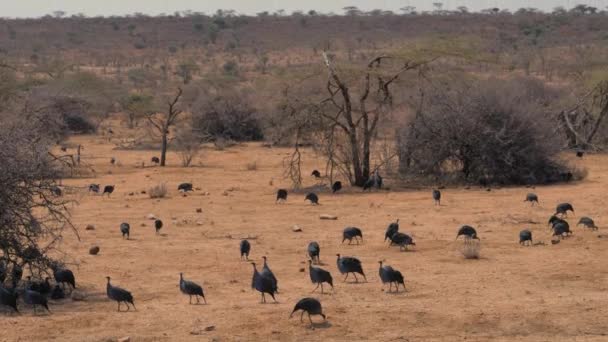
(345, 277)
(321, 288)
(204, 300)
(356, 280)
(128, 307)
(313, 291)
(118, 307)
(263, 298)
(302, 316)
(190, 297)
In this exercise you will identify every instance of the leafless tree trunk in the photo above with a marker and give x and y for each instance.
(162, 123)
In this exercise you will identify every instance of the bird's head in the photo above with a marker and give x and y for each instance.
(108, 278)
(380, 262)
(264, 257)
(310, 261)
(338, 255)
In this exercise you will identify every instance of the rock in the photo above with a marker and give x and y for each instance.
(90, 227)
(296, 229)
(143, 192)
(302, 270)
(199, 223)
(142, 225)
(94, 250)
(206, 193)
(199, 210)
(197, 189)
(328, 217)
(125, 339)
(78, 296)
(131, 194)
(151, 217)
(210, 328)
(225, 193)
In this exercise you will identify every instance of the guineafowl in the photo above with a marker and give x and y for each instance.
(391, 230)
(119, 295)
(319, 276)
(561, 228)
(94, 188)
(386, 275)
(63, 276)
(35, 298)
(281, 196)
(563, 209)
(468, 232)
(525, 237)
(437, 196)
(532, 198)
(8, 298)
(268, 273)
(158, 224)
(316, 174)
(191, 289)
(402, 240)
(580, 153)
(309, 305)
(347, 265)
(263, 284)
(337, 186)
(185, 187)
(351, 233)
(108, 189)
(155, 160)
(564, 226)
(374, 181)
(313, 198)
(125, 229)
(314, 250)
(587, 222)
(245, 248)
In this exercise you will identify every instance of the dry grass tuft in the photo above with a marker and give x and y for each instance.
(158, 191)
(470, 249)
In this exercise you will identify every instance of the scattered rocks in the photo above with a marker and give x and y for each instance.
(328, 217)
(78, 296)
(296, 229)
(90, 227)
(94, 250)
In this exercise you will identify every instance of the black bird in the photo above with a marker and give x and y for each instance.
(580, 153)
(563, 225)
(587, 222)
(561, 228)
(312, 197)
(57, 293)
(525, 236)
(316, 174)
(313, 251)
(391, 230)
(281, 195)
(437, 196)
(390, 275)
(94, 188)
(43, 287)
(113, 161)
(9, 298)
(374, 181)
(309, 305)
(119, 295)
(563, 209)
(468, 232)
(245, 247)
(63, 276)
(191, 289)
(532, 198)
(155, 160)
(348, 265)
(108, 189)
(351, 233)
(125, 229)
(402, 240)
(35, 298)
(158, 224)
(319, 276)
(185, 187)
(268, 273)
(337, 186)
(263, 284)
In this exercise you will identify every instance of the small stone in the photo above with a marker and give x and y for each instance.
(199, 210)
(210, 328)
(78, 296)
(197, 189)
(206, 193)
(131, 194)
(328, 217)
(199, 223)
(143, 192)
(151, 217)
(225, 193)
(301, 270)
(94, 250)
(296, 229)
(142, 225)
(125, 339)
(90, 227)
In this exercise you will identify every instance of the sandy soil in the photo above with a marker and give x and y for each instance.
(513, 293)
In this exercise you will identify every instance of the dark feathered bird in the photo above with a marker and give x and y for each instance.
(108, 189)
(587, 222)
(532, 198)
(437, 196)
(155, 160)
(8, 298)
(391, 230)
(351, 233)
(158, 224)
(119, 295)
(35, 298)
(314, 250)
(316, 174)
(263, 284)
(468, 232)
(57, 293)
(402, 240)
(94, 188)
(281, 195)
(309, 305)
(63, 276)
(191, 288)
(389, 275)
(125, 229)
(348, 265)
(563, 209)
(319, 276)
(245, 248)
(525, 237)
(563, 225)
(337, 186)
(185, 187)
(112, 160)
(374, 181)
(268, 273)
(312, 197)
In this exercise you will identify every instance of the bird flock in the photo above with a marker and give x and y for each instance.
(264, 281)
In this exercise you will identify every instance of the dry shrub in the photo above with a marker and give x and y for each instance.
(189, 145)
(158, 191)
(470, 249)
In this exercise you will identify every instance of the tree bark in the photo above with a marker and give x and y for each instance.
(163, 151)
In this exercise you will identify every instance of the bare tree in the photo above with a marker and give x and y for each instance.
(162, 122)
(583, 121)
